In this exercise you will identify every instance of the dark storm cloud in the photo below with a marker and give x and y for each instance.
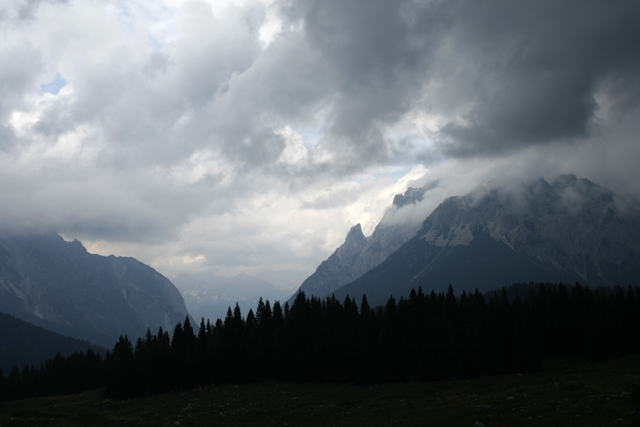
(539, 66)
(505, 74)
(375, 63)
(499, 76)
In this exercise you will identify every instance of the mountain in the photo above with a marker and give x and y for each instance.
(212, 298)
(59, 286)
(359, 254)
(22, 343)
(571, 230)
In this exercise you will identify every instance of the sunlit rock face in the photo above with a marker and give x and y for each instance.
(60, 286)
(570, 230)
(359, 254)
(572, 224)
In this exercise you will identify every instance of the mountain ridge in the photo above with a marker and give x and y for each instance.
(571, 230)
(60, 286)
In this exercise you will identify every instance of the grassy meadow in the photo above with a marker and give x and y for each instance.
(565, 394)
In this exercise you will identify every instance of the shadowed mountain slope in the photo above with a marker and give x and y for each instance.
(22, 343)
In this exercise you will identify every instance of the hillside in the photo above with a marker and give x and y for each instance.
(22, 343)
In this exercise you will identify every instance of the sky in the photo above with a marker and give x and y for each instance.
(249, 136)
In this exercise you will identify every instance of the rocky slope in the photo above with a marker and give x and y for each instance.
(359, 254)
(58, 285)
(571, 230)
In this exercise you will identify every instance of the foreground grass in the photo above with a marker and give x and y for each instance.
(565, 394)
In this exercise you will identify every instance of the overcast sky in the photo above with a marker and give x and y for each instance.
(249, 136)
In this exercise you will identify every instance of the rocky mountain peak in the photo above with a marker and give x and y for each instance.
(353, 243)
(510, 214)
(565, 223)
(412, 195)
(359, 254)
(567, 180)
(77, 244)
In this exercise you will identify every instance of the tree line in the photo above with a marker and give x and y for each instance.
(58, 376)
(428, 337)
(23, 343)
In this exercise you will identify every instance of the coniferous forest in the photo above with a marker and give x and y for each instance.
(427, 337)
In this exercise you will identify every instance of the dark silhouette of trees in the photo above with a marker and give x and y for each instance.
(58, 376)
(124, 379)
(432, 337)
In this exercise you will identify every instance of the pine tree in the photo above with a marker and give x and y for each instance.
(278, 359)
(120, 370)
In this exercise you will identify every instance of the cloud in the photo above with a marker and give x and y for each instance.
(271, 127)
(15, 11)
(538, 69)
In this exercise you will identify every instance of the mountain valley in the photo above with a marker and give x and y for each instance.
(211, 299)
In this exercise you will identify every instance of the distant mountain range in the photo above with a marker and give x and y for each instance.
(59, 286)
(210, 297)
(570, 230)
